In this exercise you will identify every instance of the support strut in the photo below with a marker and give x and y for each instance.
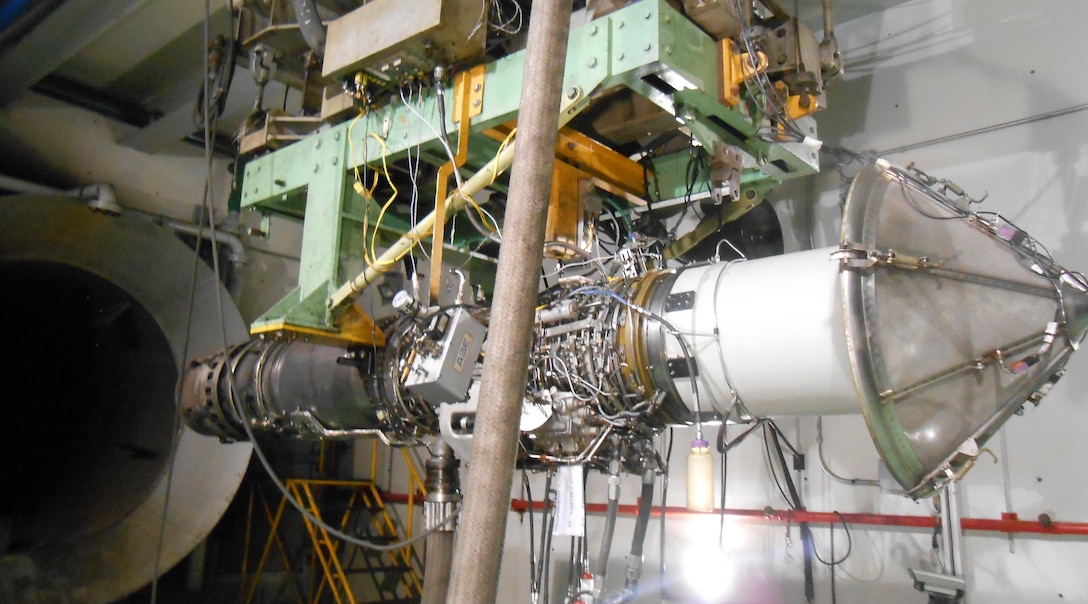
(478, 551)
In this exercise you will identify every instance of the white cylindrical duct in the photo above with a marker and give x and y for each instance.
(770, 330)
(935, 323)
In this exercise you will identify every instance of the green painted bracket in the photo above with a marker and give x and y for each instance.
(753, 194)
(648, 47)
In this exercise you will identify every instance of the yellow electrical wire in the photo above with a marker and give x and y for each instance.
(505, 141)
(360, 187)
(487, 219)
(389, 202)
(484, 216)
(370, 255)
(494, 175)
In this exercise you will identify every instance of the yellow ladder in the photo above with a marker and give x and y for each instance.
(338, 560)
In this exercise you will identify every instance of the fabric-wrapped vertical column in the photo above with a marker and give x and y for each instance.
(479, 544)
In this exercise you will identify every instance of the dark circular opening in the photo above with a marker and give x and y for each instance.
(88, 397)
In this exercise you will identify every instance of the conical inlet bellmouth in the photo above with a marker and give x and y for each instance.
(954, 320)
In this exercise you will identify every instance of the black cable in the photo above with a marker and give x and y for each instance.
(698, 165)
(834, 595)
(724, 475)
(532, 529)
(668, 451)
(212, 98)
(175, 432)
(849, 544)
(650, 176)
(808, 549)
(807, 546)
(782, 436)
(725, 446)
(547, 521)
(774, 472)
(794, 496)
(664, 507)
(573, 576)
(545, 576)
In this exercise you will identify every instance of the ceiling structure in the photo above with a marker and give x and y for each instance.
(139, 61)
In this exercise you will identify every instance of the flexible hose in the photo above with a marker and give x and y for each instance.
(309, 23)
(634, 560)
(600, 565)
(642, 521)
(436, 575)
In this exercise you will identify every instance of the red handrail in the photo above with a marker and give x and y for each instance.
(1008, 523)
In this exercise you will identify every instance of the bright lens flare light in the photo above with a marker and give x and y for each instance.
(709, 571)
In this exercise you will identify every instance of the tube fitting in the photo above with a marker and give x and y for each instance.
(443, 488)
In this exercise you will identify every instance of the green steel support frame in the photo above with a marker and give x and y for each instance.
(648, 47)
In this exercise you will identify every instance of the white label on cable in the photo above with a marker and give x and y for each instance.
(570, 502)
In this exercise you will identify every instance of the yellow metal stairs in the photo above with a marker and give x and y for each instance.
(360, 509)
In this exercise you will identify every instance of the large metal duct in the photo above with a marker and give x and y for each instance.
(95, 314)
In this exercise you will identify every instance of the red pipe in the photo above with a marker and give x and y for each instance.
(1008, 523)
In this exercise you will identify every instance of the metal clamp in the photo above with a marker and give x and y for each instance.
(859, 257)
